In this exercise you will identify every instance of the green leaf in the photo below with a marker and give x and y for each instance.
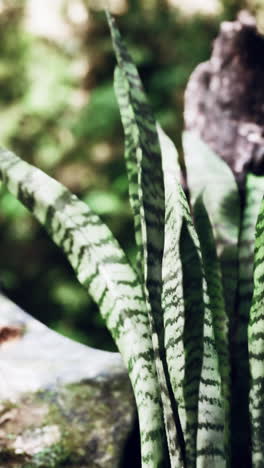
(216, 303)
(173, 304)
(189, 324)
(206, 382)
(210, 175)
(254, 191)
(197, 370)
(195, 321)
(256, 346)
(103, 269)
(152, 205)
(202, 362)
(184, 299)
(121, 85)
(144, 165)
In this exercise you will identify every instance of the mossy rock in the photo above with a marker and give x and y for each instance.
(62, 404)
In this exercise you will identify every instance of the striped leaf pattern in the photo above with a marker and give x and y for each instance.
(256, 347)
(172, 292)
(202, 367)
(217, 304)
(210, 175)
(184, 307)
(254, 191)
(128, 119)
(184, 297)
(144, 164)
(143, 149)
(212, 185)
(102, 267)
(184, 302)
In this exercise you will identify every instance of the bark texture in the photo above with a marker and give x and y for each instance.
(62, 404)
(224, 100)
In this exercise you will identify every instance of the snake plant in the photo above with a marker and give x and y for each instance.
(188, 319)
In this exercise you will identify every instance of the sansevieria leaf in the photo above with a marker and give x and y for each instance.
(214, 196)
(210, 175)
(102, 267)
(196, 322)
(173, 305)
(198, 416)
(185, 303)
(190, 343)
(175, 324)
(254, 190)
(143, 156)
(123, 88)
(202, 371)
(256, 347)
(184, 376)
(121, 85)
(213, 276)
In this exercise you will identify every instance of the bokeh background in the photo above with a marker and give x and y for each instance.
(58, 111)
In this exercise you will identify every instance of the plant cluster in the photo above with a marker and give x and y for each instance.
(52, 117)
(188, 320)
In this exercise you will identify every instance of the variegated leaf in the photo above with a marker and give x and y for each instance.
(185, 306)
(173, 304)
(216, 303)
(102, 267)
(186, 291)
(121, 85)
(210, 175)
(143, 156)
(253, 194)
(151, 197)
(254, 191)
(202, 361)
(256, 347)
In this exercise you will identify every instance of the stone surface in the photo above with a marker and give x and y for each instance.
(224, 97)
(61, 403)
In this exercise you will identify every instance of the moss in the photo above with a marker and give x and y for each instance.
(52, 457)
(78, 422)
(86, 424)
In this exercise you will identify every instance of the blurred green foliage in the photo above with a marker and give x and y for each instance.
(58, 111)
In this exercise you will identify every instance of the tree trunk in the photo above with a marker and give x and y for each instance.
(61, 403)
(224, 99)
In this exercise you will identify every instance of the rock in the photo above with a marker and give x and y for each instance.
(224, 97)
(61, 403)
